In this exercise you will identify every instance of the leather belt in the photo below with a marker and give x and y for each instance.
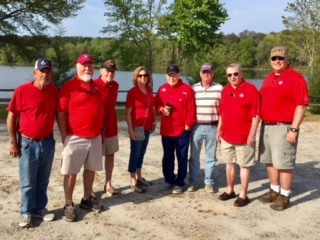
(277, 123)
(35, 139)
(209, 123)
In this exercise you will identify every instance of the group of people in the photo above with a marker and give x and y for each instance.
(190, 115)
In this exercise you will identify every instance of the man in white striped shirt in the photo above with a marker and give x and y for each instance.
(208, 95)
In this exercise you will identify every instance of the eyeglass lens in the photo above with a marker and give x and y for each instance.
(234, 74)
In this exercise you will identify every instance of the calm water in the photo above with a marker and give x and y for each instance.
(12, 77)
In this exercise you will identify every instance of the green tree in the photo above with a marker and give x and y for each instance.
(135, 21)
(31, 18)
(194, 25)
(60, 55)
(305, 21)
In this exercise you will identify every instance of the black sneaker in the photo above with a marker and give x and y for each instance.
(91, 203)
(69, 212)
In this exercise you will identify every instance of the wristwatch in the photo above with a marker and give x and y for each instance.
(295, 130)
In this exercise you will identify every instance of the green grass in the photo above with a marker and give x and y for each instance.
(3, 112)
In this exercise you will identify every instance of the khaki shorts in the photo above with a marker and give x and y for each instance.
(274, 148)
(110, 145)
(78, 151)
(243, 155)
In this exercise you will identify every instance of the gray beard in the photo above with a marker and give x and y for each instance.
(85, 78)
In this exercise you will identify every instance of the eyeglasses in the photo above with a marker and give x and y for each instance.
(234, 74)
(143, 75)
(206, 72)
(277, 58)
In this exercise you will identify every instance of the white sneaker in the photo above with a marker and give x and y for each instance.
(43, 214)
(25, 221)
(177, 190)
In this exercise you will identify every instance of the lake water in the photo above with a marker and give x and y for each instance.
(12, 77)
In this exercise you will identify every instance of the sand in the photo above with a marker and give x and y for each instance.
(161, 215)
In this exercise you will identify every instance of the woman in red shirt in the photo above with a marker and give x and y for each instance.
(139, 113)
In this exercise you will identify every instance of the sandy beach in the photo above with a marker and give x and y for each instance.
(161, 215)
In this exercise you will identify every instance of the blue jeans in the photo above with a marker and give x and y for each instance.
(200, 133)
(180, 145)
(137, 151)
(35, 164)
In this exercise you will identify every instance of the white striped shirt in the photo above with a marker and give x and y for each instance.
(208, 102)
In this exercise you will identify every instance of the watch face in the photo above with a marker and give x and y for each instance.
(293, 129)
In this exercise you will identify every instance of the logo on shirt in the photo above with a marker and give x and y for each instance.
(241, 95)
(280, 82)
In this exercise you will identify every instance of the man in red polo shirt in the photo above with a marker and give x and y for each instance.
(238, 123)
(284, 101)
(175, 102)
(30, 121)
(80, 120)
(109, 89)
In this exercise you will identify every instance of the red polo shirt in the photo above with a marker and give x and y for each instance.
(84, 107)
(238, 107)
(109, 92)
(282, 94)
(37, 109)
(142, 107)
(182, 97)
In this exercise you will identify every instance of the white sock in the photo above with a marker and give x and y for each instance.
(285, 192)
(275, 188)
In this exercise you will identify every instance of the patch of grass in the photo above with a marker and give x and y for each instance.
(310, 117)
(3, 112)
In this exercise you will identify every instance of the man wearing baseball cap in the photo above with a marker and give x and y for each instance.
(285, 98)
(31, 115)
(109, 89)
(176, 124)
(208, 96)
(80, 122)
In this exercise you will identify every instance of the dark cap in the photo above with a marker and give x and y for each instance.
(85, 58)
(109, 65)
(173, 69)
(42, 63)
(207, 67)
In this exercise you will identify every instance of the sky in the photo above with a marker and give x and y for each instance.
(253, 15)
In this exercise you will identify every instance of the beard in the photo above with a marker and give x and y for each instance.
(85, 77)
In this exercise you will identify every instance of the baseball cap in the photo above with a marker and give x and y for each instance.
(85, 58)
(278, 51)
(109, 65)
(173, 69)
(207, 67)
(42, 63)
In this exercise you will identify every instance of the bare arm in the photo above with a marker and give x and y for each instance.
(297, 119)
(253, 130)
(62, 124)
(218, 133)
(12, 130)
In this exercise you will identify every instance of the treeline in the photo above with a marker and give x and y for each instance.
(250, 49)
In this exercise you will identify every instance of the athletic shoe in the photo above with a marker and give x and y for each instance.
(69, 212)
(91, 203)
(25, 221)
(177, 190)
(43, 214)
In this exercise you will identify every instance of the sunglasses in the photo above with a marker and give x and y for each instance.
(236, 74)
(277, 58)
(143, 75)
